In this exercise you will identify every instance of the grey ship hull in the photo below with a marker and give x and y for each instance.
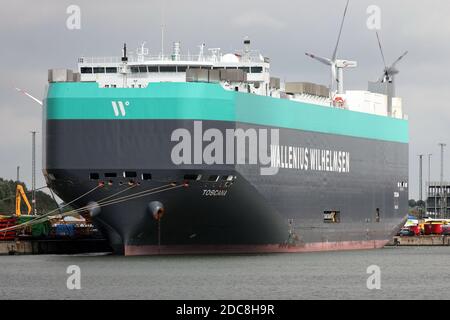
(279, 213)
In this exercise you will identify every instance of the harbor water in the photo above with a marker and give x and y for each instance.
(405, 273)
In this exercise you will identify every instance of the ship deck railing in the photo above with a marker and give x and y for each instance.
(253, 58)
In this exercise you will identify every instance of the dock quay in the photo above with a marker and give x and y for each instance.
(79, 246)
(54, 246)
(423, 240)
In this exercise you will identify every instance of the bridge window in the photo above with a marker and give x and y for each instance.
(200, 67)
(168, 69)
(152, 68)
(256, 69)
(146, 176)
(181, 68)
(245, 69)
(134, 69)
(99, 69)
(142, 69)
(111, 70)
(86, 70)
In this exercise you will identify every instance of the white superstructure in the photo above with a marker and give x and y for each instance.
(244, 71)
(141, 69)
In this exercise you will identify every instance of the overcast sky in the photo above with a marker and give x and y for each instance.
(34, 38)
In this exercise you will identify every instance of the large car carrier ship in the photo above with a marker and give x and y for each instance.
(208, 153)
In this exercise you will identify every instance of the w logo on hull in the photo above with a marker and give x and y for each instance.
(119, 108)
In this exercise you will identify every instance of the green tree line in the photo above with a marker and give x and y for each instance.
(44, 202)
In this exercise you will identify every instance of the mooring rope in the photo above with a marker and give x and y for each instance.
(30, 222)
(101, 203)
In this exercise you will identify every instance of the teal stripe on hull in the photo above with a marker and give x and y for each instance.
(203, 101)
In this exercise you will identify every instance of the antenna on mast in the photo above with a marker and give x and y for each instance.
(123, 67)
(162, 40)
(162, 31)
(201, 55)
(141, 52)
(124, 53)
(247, 48)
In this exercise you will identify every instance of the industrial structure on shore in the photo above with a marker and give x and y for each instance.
(438, 200)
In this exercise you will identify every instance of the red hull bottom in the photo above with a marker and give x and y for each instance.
(133, 250)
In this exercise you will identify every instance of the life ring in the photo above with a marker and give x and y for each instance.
(339, 101)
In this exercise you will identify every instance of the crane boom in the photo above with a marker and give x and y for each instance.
(20, 194)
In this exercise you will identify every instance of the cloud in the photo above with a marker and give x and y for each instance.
(255, 19)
